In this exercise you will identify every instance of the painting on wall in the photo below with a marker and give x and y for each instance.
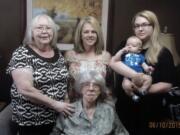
(67, 13)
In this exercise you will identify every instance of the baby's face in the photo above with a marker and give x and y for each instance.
(133, 45)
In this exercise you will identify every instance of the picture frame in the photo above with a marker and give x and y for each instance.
(91, 7)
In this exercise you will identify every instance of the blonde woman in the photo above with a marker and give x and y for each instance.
(146, 27)
(89, 52)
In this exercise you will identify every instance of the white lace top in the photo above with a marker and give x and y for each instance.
(77, 65)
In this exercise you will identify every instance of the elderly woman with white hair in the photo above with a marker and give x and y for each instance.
(92, 115)
(40, 79)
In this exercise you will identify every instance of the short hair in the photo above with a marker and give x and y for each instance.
(29, 37)
(89, 76)
(137, 39)
(99, 46)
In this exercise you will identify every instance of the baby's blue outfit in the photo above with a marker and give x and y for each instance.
(134, 61)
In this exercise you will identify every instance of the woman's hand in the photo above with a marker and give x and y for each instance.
(64, 108)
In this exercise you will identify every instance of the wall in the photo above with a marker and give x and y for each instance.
(12, 24)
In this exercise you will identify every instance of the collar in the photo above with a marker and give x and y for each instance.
(80, 110)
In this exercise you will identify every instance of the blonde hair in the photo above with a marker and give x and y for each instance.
(29, 37)
(139, 42)
(99, 46)
(154, 47)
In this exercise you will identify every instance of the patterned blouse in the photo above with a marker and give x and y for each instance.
(105, 122)
(50, 76)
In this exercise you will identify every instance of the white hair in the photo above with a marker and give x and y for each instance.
(89, 76)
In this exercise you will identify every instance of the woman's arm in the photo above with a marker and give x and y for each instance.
(118, 66)
(106, 56)
(23, 79)
(160, 87)
(164, 76)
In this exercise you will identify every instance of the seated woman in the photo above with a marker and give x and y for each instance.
(92, 115)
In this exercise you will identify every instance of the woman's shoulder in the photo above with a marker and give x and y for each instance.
(106, 53)
(165, 52)
(21, 47)
(106, 106)
(106, 109)
(70, 55)
(21, 50)
(106, 56)
(70, 52)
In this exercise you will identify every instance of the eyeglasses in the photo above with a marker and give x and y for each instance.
(43, 28)
(143, 25)
(90, 84)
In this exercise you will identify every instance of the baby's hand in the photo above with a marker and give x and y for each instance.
(121, 52)
(150, 70)
(125, 49)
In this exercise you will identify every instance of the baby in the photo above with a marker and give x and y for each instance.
(131, 55)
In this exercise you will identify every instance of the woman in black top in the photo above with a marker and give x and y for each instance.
(149, 110)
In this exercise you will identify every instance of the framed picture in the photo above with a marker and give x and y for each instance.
(67, 13)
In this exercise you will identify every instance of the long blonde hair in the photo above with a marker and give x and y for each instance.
(99, 46)
(155, 47)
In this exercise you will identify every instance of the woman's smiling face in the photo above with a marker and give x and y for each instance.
(42, 32)
(89, 35)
